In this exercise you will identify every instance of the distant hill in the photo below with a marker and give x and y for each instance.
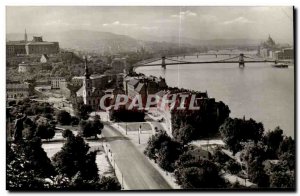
(200, 42)
(109, 42)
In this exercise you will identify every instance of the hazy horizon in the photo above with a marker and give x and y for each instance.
(202, 23)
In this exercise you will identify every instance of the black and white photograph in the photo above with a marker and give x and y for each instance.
(150, 98)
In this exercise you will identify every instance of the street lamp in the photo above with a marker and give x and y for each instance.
(139, 135)
(122, 181)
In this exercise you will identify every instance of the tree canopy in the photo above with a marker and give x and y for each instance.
(234, 131)
(74, 157)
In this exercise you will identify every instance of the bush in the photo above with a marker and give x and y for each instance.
(109, 184)
(127, 115)
(74, 121)
(75, 157)
(164, 150)
(63, 117)
(233, 167)
(184, 134)
(67, 133)
(202, 173)
(234, 131)
(45, 131)
(206, 121)
(90, 128)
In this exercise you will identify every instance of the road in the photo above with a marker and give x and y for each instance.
(138, 173)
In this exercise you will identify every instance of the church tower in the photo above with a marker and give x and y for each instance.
(87, 85)
(25, 36)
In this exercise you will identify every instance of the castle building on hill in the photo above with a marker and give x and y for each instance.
(36, 46)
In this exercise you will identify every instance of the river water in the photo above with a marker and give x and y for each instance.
(258, 91)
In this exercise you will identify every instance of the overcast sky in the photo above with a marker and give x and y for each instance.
(194, 22)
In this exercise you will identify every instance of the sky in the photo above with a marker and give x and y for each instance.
(194, 22)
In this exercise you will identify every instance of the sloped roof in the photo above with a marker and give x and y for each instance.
(45, 55)
(80, 92)
(139, 87)
(133, 82)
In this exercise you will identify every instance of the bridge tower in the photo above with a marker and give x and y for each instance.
(241, 60)
(163, 62)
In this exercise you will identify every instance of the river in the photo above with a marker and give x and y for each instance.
(258, 91)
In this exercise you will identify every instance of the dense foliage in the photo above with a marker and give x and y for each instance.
(188, 125)
(235, 131)
(63, 117)
(125, 115)
(163, 150)
(90, 128)
(192, 173)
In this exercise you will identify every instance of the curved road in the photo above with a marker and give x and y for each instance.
(138, 173)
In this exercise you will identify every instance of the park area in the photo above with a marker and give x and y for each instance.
(103, 164)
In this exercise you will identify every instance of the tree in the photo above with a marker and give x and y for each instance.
(74, 157)
(74, 121)
(20, 174)
(67, 133)
(109, 184)
(282, 179)
(36, 157)
(90, 128)
(254, 151)
(254, 155)
(206, 121)
(220, 157)
(29, 130)
(201, 173)
(164, 150)
(97, 126)
(272, 140)
(154, 144)
(168, 153)
(125, 115)
(184, 134)
(63, 117)
(82, 110)
(45, 131)
(233, 167)
(288, 161)
(287, 145)
(234, 131)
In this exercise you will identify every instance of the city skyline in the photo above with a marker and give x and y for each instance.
(203, 23)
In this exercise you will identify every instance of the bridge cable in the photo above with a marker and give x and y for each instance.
(196, 62)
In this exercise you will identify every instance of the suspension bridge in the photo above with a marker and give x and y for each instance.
(239, 59)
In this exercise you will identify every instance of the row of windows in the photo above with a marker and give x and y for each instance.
(16, 89)
(15, 95)
(94, 102)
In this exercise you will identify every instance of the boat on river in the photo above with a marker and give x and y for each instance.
(280, 65)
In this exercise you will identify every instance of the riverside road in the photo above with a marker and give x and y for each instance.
(138, 173)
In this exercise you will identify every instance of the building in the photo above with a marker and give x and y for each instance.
(44, 58)
(24, 67)
(16, 90)
(91, 94)
(99, 81)
(288, 53)
(267, 48)
(278, 55)
(56, 82)
(36, 46)
(78, 80)
(264, 52)
(143, 86)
